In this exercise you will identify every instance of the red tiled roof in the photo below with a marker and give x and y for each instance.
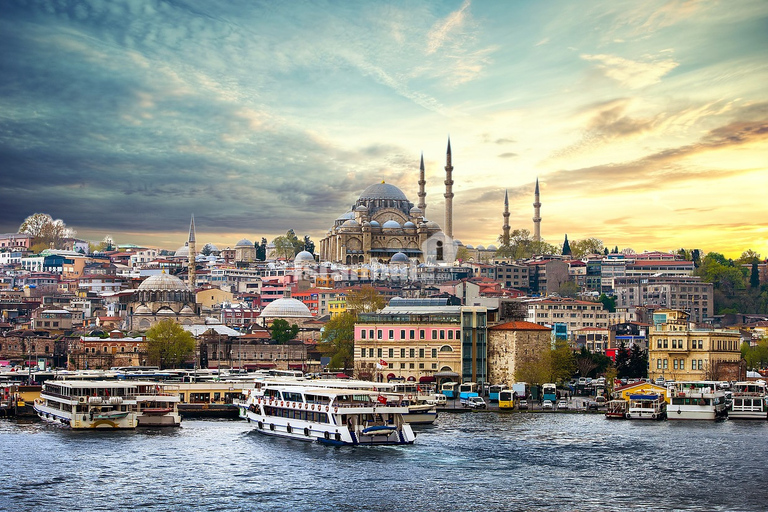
(520, 326)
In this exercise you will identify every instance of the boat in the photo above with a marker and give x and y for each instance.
(696, 400)
(420, 413)
(750, 401)
(336, 416)
(157, 405)
(617, 409)
(647, 407)
(88, 404)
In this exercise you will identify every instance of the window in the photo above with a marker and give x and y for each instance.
(442, 334)
(370, 352)
(421, 366)
(665, 343)
(379, 353)
(434, 352)
(379, 334)
(362, 352)
(370, 333)
(674, 364)
(411, 366)
(422, 334)
(412, 353)
(701, 344)
(658, 343)
(434, 334)
(693, 364)
(391, 334)
(421, 352)
(402, 334)
(666, 364)
(701, 364)
(391, 353)
(450, 335)
(362, 334)
(682, 364)
(412, 335)
(434, 366)
(402, 353)
(658, 364)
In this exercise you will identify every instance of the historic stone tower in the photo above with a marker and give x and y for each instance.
(505, 228)
(192, 254)
(422, 193)
(536, 214)
(448, 193)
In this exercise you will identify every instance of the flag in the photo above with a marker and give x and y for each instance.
(382, 399)
(383, 362)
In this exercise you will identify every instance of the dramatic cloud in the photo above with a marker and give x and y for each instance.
(632, 74)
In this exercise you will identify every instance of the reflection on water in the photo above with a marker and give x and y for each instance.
(483, 461)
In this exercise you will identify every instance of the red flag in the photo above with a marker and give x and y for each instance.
(382, 399)
(383, 362)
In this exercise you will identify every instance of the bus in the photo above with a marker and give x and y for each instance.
(493, 391)
(506, 399)
(449, 389)
(467, 390)
(549, 392)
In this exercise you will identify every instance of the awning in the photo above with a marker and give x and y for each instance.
(411, 379)
(427, 378)
(342, 376)
(449, 375)
(391, 376)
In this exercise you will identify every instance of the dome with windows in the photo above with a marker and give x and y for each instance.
(399, 258)
(383, 191)
(391, 224)
(244, 243)
(286, 308)
(304, 257)
(162, 282)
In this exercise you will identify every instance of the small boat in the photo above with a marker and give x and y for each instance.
(379, 429)
(647, 407)
(696, 400)
(750, 401)
(617, 409)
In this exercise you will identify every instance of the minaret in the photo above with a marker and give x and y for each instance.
(422, 193)
(505, 233)
(537, 215)
(191, 245)
(448, 193)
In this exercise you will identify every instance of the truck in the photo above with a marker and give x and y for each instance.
(474, 402)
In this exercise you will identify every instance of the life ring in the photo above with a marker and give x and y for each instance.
(335, 409)
(281, 404)
(410, 397)
(306, 406)
(271, 426)
(327, 435)
(326, 408)
(313, 407)
(679, 411)
(653, 416)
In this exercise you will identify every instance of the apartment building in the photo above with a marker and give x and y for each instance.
(687, 293)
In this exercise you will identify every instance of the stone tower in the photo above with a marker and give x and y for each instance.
(422, 193)
(536, 214)
(448, 193)
(192, 254)
(505, 228)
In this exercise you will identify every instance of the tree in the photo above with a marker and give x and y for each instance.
(563, 364)
(261, 250)
(309, 245)
(638, 362)
(622, 360)
(585, 363)
(169, 345)
(609, 303)
(283, 247)
(581, 248)
(535, 369)
(365, 300)
(338, 341)
(207, 250)
(45, 230)
(748, 256)
(754, 277)
(462, 254)
(568, 288)
(282, 332)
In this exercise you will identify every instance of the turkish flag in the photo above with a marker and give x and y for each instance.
(382, 399)
(383, 362)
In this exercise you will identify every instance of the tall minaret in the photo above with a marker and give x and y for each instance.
(537, 215)
(422, 193)
(505, 233)
(191, 245)
(448, 193)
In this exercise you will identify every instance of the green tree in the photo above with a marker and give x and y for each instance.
(622, 361)
(283, 247)
(283, 332)
(462, 254)
(338, 341)
(309, 245)
(535, 369)
(581, 248)
(754, 277)
(169, 345)
(261, 249)
(609, 303)
(568, 288)
(638, 362)
(748, 256)
(566, 247)
(563, 364)
(365, 300)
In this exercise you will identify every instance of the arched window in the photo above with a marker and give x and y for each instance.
(446, 348)
(439, 246)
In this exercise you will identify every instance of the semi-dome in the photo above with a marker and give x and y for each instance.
(391, 224)
(432, 224)
(182, 252)
(383, 191)
(346, 216)
(399, 257)
(409, 225)
(244, 243)
(163, 282)
(492, 248)
(375, 224)
(286, 308)
(351, 223)
(469, 246)
(304, 257)
(480, 248)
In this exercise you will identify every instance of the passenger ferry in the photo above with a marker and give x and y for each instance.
(647, 407)
(328, 415)
(749, 401)
(84, 404)
(617, 409)
(696, 400)
(157, 405)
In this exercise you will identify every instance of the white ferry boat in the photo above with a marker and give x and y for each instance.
(328, 415)
(750, 401)
(157, 405)
(647, 407)
(83, 404)
(696, 400)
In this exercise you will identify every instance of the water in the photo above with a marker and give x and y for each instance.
(466, 462)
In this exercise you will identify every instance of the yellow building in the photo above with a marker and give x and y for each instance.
(210, 297)
(337, 306)
(679, 351)
(642, 388)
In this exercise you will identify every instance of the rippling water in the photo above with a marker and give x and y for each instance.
(466, 462)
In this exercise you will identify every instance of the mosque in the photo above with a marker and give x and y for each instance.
(383, 226)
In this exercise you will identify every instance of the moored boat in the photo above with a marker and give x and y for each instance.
(696, 400)
(157, 405)
(750, 401)
(616, 409)
(328, 415)
(88, 404)
(647, 407)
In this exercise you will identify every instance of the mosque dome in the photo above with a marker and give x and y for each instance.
(182, 252)
(469, 246)
(457, 242)
(409, 225)
(399, 257)
(187, 311)
(304, 257)
(244, 243)
(346, 216)
(163, 282)
(286, 308)
(416, 211)
(165, 310)
(375, 224)
(350, 224)
(480, 248)
(142, 310)
(391, 224)
(492, 248)
(432, 224)
(383, 191)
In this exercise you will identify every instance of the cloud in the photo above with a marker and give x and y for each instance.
(508, 155)
(443, 30)
(632, 74)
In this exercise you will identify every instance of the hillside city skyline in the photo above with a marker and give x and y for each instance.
(646, 124)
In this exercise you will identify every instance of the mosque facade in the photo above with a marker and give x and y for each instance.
(383, 224)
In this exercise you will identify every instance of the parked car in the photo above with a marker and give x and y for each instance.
(547, 404)
(474, 402)
(592, 405)
(562, 405)
(522, 404)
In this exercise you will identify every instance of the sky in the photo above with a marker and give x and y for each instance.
(646, 123)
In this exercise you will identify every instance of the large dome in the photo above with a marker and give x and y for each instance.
(163, 282)
(182, 252)
(286, 308)
(383, 191)
(244, 243)
(304, 257)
